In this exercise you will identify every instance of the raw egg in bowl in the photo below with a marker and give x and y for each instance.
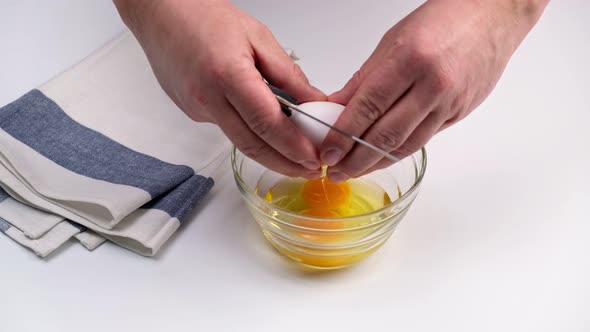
(323, 224)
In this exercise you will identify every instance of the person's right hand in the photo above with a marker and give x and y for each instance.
(210, 58)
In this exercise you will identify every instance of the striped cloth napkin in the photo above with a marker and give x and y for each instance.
(101, 152)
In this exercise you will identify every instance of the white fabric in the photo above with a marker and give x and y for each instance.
(89, 239)
(32, 222)
(46, 244)
(114, 92)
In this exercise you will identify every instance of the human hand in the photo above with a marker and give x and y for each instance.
(429, 71)
(210, 58)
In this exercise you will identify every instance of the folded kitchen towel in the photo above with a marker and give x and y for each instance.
(45, 244)
(37, 230)
(102, 146)
(32, 222)
(89, 239)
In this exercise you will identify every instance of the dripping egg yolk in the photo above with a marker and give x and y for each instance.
(325, 195)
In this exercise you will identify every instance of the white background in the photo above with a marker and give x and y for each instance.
(498, 239)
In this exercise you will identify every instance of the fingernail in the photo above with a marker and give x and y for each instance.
(313, 175)
(310, 164)
(337, 176)
(331, 156)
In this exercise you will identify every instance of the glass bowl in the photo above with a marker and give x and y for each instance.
(329, 243)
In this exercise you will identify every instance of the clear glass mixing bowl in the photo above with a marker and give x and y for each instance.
(314, 241)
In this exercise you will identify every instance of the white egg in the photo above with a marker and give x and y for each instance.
(323, 110)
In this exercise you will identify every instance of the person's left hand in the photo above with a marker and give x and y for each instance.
(428, 72)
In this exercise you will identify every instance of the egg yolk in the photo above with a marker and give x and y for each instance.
(320, 224)
(325, 194)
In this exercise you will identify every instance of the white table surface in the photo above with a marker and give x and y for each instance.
(498, 239)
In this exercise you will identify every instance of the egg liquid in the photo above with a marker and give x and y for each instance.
(324, 201)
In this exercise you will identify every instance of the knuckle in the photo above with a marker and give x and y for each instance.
(388, 138)
(355, 170)
(293, 72)
(261, 124)
(228, 73)
(441, 80)
(196, 96)
(198, 116)
(358, 76)
(254, 151)
(424, 58)
(420, 56)
(348, 167)
(298, 72)
(262, 30)
(194, 101)
(407, 149)
(237, 68)
(217, 70)
(371, 106)
(289, 154)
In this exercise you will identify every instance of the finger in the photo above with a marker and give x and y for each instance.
(254, 147)
(423, 133)
(374, 61)
(259, 109)
(375, 96)
(446, 125)
(344, 95)
(281, 71)
(198, 116)
(389, 133)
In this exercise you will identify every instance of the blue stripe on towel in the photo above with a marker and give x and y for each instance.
(181, 200)
(4, 226)
(81, 228)
(3, 195)
(40, 123)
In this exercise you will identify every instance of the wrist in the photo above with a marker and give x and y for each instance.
(132, 12)
(526, 11)
(135, 13)
(511, 20)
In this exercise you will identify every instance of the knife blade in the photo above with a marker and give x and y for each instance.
(288, 105)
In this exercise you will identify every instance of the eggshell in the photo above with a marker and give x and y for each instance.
(323, 110)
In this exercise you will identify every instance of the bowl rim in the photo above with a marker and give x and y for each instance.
(240, 182)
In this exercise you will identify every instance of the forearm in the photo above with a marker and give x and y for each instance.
(131, 10)
(520, 17)
(135, 13)
(528, 10)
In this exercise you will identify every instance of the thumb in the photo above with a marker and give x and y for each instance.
(281, 71)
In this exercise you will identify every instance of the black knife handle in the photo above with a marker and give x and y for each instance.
(278, 92)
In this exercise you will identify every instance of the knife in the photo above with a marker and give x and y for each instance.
(289, 105)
